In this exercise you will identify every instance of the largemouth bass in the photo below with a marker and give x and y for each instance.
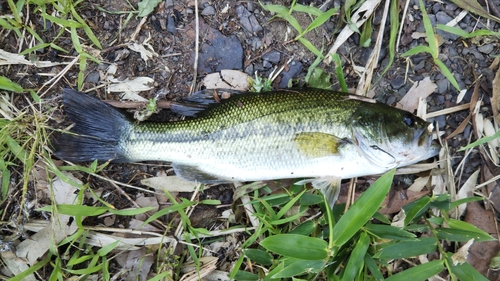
(306, 133)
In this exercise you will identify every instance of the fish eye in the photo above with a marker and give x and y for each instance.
(409, 120)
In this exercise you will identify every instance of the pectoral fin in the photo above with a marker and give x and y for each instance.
(316, 144)
(193, 173)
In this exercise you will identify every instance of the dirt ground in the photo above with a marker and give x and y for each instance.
(243, 36)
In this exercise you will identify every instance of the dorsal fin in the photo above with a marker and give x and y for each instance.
(199, 101)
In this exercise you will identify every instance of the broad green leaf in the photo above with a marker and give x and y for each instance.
(455, 204)
(362, 210)
(406, 249)
(481, 141)
(389, 232)
(419, 272)
(299, 267)
(373, 267)
(309, 199)
(296, 246)
(259, 256)
(306, 228)
(466, 272)
(356, 260)
(481, 234)
(446, 72)
(8, 85)
(145, 7)
(416, 209)
(464, 34)
(366, 33)
(244, 275)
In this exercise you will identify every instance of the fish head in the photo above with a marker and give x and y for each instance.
(390, 137)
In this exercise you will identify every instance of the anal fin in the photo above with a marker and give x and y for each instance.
(329, 186)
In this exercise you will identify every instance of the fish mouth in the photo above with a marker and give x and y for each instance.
(423, 138)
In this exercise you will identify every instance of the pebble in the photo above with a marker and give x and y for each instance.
(273, 56)
(442, 86)
(247, 19)
(486, 49)
(93, 77)
(208, 11)
(295, 67)
(397, 82)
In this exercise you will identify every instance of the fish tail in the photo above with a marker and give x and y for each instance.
(98, 128)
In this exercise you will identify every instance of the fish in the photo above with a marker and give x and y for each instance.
(321, 136)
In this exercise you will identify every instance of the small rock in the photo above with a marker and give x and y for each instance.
(442, 86)
(486, 49)
(171, 24)
(256, 44)
(397, 82)
(273, 56)
(266, 64)
(93, 77)
(295, 67)
(208, 11)
(248, 20)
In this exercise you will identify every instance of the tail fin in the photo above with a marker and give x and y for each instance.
(96, 133)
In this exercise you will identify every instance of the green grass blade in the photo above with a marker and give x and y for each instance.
(412, 248)
(339, 71)
(310, 47)
(321, 19)
(362, 210)
(296, 246)
(417, 50)
(8, 85)
(446, 72)
(481, 141)
(356, 260)
(429, 32)
(419, 272)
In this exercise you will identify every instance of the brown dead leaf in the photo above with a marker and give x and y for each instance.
(421, 89)
(495, 99)
(480, 253)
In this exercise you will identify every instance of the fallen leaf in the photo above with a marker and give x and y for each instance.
(170, 184)
(495, 99)
(421, 89)
(7, 58)
(467, 190)
(227, 79)
(474, 7)
(358, 18)
(460, 256)
(59, 228)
